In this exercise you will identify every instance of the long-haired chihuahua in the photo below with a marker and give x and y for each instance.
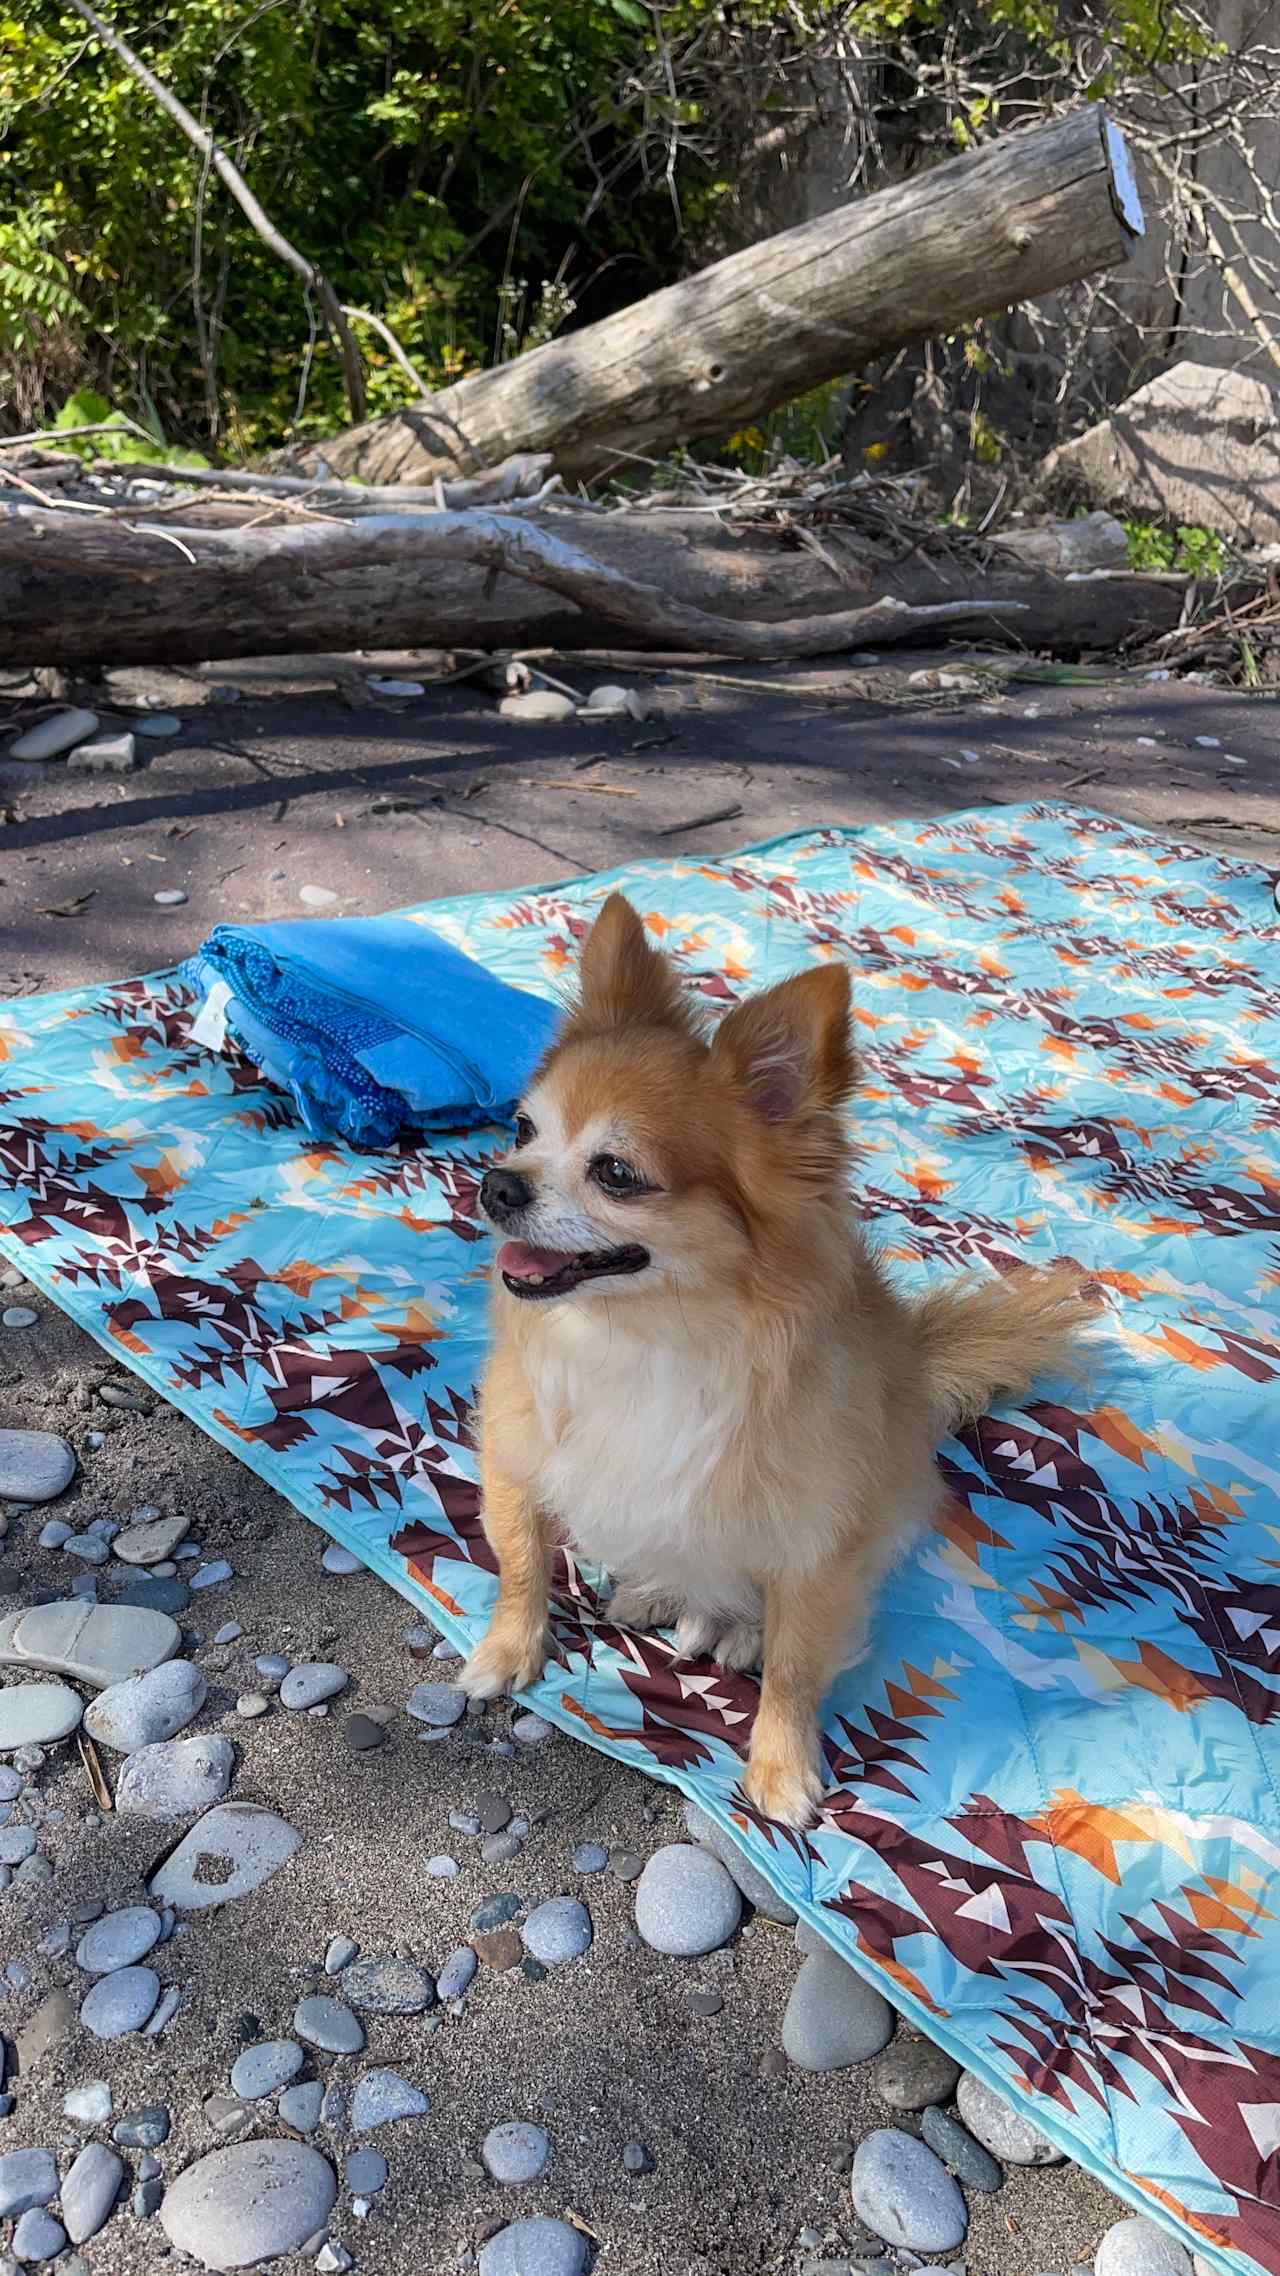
(701, 1375)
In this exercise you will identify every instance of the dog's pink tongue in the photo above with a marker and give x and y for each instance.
(521, 1262)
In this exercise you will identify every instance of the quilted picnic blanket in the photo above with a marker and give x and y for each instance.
(1052, 1830)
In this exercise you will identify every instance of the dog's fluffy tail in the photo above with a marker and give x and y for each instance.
(980, 1338)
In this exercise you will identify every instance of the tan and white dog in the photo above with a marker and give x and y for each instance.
(700, 1374)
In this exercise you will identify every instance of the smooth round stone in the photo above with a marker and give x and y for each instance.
(144, 2129)
(388, 1987)
(89, 2105)
(540, 2246)
(118, 1940)
(250, 2202)
(147, 1708)
(362, 1734)
(172, 897)
(17, 1843)
(177, 1779)
(492, 1815)
(496, 1911)
(18, 1316)
(758, 1891)
(35, 1466)
(1139, 2248)
(626, 1864)
(326, 2023)
(557, 1931)
(308, 1685)
(636, 2158)
(120, 2003)
(299, 2106)
(272, 1666)
(317, 896)
(456, 1974)
(834, 2017)
(686, 1903)
(381, 2098)
(151, 1543)
(365, 2172)
(1000, 2129)
(229, 1633)
(902, 2193)
(500, 1848)
(515, 2151)
(440, 1704)
(262, 2069)
(955, 2145)
(35, 1714)
(90, 2191)
(27, 2177)
(341, 1561)
(531, 1730)
(251, 1704)
(49, 738)
(52, 1535)
(913, 2073)
(339, 1953)
(230, 1851)
(442, 1868)
(209, 1576)
(38, 2237)
(590, 1858)
(157, 723)
(154, 1591)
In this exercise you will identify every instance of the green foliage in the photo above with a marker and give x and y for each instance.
(35, 287)
(118, 437)
(1193, 552)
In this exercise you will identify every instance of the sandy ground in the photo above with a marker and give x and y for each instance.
(289, 785)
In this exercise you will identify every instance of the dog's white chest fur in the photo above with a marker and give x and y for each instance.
(638, 1438)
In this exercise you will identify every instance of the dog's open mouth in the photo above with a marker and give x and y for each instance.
(535, 1273)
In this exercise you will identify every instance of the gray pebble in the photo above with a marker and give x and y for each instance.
(381, 2098)
(306, 1686)
(209, 1576)
(686, 1903)
(557, 1931)
(1139, 2248)
(148, 2166)
(272, 1666)
(27, 2177)
(464, 1821)
(52, 1535)
(147, 1708)
(250, 2202)
(913, 2073)
(334, 2259)
(495, 1912)
(229, 1633)
(227, 2117)
(118, 1940)
(16, 1844)
(441, 1704)
(342, 1950)
(90, 1548)
(636, 2158)
(589, 1857)
(263, 2068)
(149, 1540)
(540, 2246)
(18, 1316)
(120, 2003)
(442, 1868)
(515, 2151)
(11, 1783)
(531, 1730)
(758, 1891)
(299, 2106)
(341, 1561)
(388, 1987)
(38, 2237)
(251, 1704)
(706, 2002)
(143, 2129)
(176, 1779)
(626, 1864)
(35, 1466)
(155, 1591)
(362, 1734)
(327, 2023)
(500, 1848)
(492, 1814)
(90, 2191)
(904, 2195)
(1000, 2129)
(231, 1850)
(456, 1974)
(157, 723)
(170, 2002)
(147, 2198)
(955, 2145)
(365, 2172)
(423, 1643)
(834, 2017)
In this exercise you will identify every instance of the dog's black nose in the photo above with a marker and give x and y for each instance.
(503, 1192)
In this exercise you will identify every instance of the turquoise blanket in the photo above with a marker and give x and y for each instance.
(1052, 1832)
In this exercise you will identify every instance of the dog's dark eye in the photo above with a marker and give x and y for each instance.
(615, 1175)
(525, 1132)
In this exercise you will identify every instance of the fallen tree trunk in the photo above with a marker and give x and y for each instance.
(80, 590)
(1013, 221)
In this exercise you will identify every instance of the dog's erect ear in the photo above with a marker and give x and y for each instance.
(789, 1050)
(623, 982)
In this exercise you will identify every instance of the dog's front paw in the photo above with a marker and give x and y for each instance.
(507, 1660)
(784, 1784)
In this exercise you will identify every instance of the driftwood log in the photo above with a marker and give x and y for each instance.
(1017, 219)
(85, 589)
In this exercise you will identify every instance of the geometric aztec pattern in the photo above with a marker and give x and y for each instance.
(1052, 1823)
